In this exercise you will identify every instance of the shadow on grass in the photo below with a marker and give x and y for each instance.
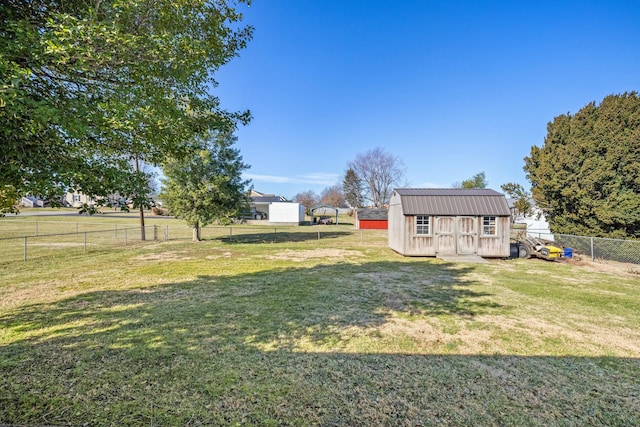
(278, 236)
(277, 348)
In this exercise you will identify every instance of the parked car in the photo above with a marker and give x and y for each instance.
(326, 220)
(255, 214)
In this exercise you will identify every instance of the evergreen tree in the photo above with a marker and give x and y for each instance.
(586, 176)
(352, 189)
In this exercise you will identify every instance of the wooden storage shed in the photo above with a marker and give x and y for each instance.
(371, 219)
(439, 221)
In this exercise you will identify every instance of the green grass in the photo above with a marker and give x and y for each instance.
(307, 332)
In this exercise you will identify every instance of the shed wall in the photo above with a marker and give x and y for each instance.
(417, 245)
(397, 234)
(496, 246)
(372, 224)
(286, 213)
(449, 235)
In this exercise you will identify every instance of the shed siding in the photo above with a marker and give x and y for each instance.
(397, 233)
(371, 224)
(417, 245)
(496, 246)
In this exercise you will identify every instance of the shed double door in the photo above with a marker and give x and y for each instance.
(456, 235)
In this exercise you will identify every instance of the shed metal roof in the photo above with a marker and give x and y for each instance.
(452, 201)
(372, 214)
(267, 199)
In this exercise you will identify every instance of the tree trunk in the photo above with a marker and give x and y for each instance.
(142, 230)
(196, 232)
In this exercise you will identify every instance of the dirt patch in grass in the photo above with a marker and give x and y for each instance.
(605, 266)
(602, 266)
(304, 255)
(223, 255)
(163, 256)
(61, 244)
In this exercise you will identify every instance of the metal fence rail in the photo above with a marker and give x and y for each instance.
(620, 250)
(38, 245)
(603, 248)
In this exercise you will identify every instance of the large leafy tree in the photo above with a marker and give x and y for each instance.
(586, 176)
(207, 187)
(86, 87)
(379, 171)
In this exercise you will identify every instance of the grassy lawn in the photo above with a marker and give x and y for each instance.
(305, 332)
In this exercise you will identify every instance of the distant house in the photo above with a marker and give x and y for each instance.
(30, 201)
(77, 199)
(430, 222)
(259, 204)
(371, 219)
(537, 225)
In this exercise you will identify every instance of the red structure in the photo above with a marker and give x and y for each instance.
(371, 219)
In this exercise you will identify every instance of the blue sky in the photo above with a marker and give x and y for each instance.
(451, 88)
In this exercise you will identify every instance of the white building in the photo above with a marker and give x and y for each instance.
(286, 213)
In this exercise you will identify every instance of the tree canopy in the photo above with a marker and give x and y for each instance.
(86, 87)
(521, 197)
(379, 171)
(309, 199)
(586, 176)
(479, 180)
(332, 196)
(207, 187)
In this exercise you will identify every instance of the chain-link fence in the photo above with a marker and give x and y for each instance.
(43, 241)
(600, 248)
(28, 240)
(34, 246)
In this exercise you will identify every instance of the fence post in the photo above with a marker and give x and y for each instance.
(25, 248)
(593, 255)
(155, 232)
(230, 234)
(125, 237)
(166, 233)
(85, 242)
(76, 228)
(318, 235)
(275, 235)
